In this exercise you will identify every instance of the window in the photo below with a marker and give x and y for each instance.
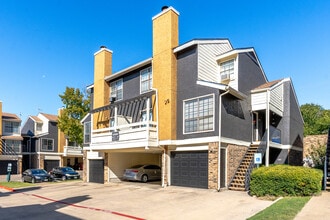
(146, 80)
(12, 145)
(227, 69)
(116, 89)
(39, 126)
(87, 132)
(11, 127)
(47, 144)
(144, 115)
(199, 114)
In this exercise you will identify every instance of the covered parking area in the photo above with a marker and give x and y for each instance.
(109, 166)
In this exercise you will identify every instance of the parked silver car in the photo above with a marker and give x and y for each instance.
(143, 173)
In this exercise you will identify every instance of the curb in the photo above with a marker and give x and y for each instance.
(7, 188)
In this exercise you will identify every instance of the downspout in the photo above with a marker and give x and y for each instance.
(267, 129)
(219, 139)
(164, 153)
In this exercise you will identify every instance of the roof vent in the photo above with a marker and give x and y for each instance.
(164, 7)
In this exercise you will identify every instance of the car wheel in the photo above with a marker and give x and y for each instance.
(144, 178)
(33, 180)
(63, 178)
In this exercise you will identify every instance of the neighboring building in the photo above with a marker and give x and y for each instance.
(10, 142)
(45, 146)
(199, 110)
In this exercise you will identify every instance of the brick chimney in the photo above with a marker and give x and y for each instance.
(102, 69)
(164, 69)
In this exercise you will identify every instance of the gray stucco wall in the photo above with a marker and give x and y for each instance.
(291, 124)
(187, 88)
(250, 75)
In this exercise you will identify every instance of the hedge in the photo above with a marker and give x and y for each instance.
(285, 180)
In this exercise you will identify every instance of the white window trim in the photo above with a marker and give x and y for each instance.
(233, 75)
(183, 114)
(53, 147)
(141, 92)
(115, 95)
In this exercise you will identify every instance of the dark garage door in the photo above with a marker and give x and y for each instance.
(189, 169)
(96, 171)
(50, 164)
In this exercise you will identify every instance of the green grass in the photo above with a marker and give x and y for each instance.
(284, 209)
(15, 184)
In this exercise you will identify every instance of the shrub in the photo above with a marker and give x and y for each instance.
(285, 180)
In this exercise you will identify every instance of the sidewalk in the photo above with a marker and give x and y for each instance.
(318, 207)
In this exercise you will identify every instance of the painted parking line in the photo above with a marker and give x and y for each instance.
(86, 207)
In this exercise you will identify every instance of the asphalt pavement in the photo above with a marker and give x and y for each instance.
(133, 200)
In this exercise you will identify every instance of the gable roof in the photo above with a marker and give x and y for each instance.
(267, 85)
(243, 50)
(201, 41)
(36, 119)
(50, 117)
(10, 117)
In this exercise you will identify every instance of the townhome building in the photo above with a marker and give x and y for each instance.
(10, 142)
(201, 110)
(45, 146)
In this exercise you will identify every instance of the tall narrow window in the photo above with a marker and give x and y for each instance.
(116, 89)
(227, 69)
(146, 80)
(87, 132)
(199, 114)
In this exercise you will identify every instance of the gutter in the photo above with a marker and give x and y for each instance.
(219, 139)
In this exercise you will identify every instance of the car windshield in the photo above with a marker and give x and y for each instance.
(67, 169)
(38, 172)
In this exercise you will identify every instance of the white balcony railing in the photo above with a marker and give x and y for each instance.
(134, 135)
(72, 150)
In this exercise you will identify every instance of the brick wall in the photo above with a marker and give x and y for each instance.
(235, 155)
(213, 165)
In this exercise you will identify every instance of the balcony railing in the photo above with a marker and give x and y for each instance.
(72, 150)
(139, 134)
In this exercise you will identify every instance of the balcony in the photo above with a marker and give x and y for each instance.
(134, 135)
(72, 151)
(129, 124)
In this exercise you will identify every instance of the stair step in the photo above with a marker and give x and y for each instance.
(237, 188)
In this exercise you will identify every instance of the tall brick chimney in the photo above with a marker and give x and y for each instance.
(102, 69)
(164, 69)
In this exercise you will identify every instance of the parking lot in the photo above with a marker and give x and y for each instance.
(125, 200)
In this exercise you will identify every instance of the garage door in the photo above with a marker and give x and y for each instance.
(50, 164)
(96, 171)
(189, 169)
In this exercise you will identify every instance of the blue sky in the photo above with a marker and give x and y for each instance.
(48, 45)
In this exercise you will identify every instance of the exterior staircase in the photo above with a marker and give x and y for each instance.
(239, 181)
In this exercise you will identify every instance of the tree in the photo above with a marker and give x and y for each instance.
(316, 118)
(76, 106)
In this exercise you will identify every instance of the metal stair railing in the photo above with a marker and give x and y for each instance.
(7, 150)
(261, 149)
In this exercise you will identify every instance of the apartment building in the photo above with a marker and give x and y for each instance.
(200, 110)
